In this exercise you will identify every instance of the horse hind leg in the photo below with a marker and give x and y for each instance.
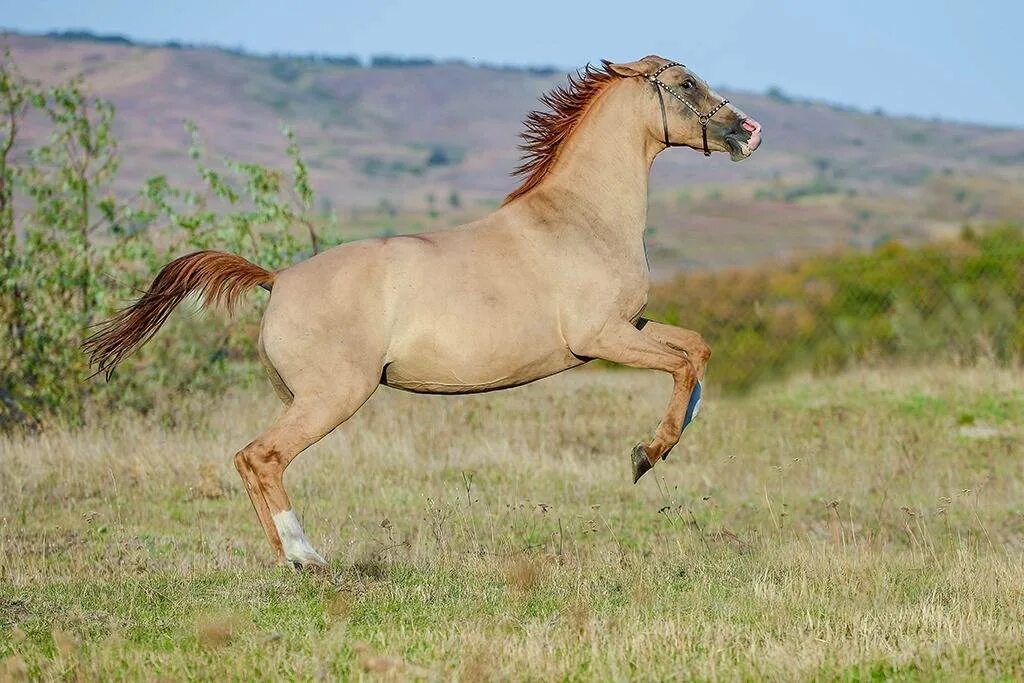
(256, 497)
(262, 463)
(248, 474)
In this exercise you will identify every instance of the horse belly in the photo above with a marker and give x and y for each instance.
(444, 360)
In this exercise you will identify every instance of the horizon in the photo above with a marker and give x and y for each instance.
(422, 61)
(946, 65)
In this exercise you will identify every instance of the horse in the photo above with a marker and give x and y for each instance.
(555, 277)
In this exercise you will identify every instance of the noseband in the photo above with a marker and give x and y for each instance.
(703, 119)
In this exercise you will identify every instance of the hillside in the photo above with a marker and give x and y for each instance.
(393, 136)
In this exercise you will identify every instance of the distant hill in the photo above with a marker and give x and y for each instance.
(403, 129)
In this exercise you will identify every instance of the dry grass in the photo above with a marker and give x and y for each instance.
(847, 528)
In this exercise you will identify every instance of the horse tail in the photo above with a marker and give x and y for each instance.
(218, 277)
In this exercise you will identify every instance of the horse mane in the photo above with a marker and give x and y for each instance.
(547, 131)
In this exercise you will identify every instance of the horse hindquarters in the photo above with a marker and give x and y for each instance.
(323, 380)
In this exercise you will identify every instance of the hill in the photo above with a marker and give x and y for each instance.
(402, 134)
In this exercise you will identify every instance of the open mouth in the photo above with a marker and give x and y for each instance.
(740, 148)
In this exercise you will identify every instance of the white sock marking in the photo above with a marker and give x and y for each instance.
(296, 546)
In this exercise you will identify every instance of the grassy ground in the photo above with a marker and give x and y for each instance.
(854, 528)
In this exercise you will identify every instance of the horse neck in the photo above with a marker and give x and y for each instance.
(599, 182)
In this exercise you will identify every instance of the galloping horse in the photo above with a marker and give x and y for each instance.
(557, 276)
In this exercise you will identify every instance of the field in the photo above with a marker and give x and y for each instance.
(858, 527)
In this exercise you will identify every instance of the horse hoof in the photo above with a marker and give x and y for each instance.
(309, 559)
(640, 462)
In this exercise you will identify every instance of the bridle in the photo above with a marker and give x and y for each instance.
(703, 119)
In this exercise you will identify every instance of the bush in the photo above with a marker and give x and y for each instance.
(959, 298)
(439, 156)
(71, 253)
(393, 62)
(285, 70)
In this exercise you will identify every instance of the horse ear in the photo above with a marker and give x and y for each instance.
(626, 69)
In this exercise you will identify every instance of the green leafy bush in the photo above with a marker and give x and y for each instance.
(960, 298)
(71, 254)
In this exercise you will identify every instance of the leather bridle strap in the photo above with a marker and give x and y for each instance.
(703, 119)
(664, 118)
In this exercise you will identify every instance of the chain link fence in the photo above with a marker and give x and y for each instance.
(959, 299)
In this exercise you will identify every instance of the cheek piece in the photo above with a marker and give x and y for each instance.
(703, 119)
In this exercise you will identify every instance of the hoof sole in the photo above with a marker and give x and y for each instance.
(640, 462)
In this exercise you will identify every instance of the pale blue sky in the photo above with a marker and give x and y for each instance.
(958, 60)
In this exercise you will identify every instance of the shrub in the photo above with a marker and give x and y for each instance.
(959, 298)
(71, 253)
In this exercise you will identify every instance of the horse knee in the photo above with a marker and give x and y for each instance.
(685, 373)
(699, 348)
(705, 351)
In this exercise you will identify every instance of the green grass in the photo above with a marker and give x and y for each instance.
(843, 529)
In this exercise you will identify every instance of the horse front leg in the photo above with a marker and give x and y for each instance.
(687, 341)
(695, 348)
(621, 342)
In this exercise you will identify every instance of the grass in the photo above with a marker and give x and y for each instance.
(855, 528)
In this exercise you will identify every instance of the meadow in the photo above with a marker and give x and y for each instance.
(863, 526)
(861, 523)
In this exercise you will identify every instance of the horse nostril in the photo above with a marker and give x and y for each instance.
(751, 126)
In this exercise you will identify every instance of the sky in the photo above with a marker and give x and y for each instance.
(957, 60)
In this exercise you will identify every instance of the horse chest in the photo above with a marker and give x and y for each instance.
(625, 287)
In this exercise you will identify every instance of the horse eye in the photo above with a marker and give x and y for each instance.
(687, 84)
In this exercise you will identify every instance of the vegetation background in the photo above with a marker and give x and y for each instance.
(846, 507)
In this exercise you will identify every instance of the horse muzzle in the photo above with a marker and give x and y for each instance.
(744, 140)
